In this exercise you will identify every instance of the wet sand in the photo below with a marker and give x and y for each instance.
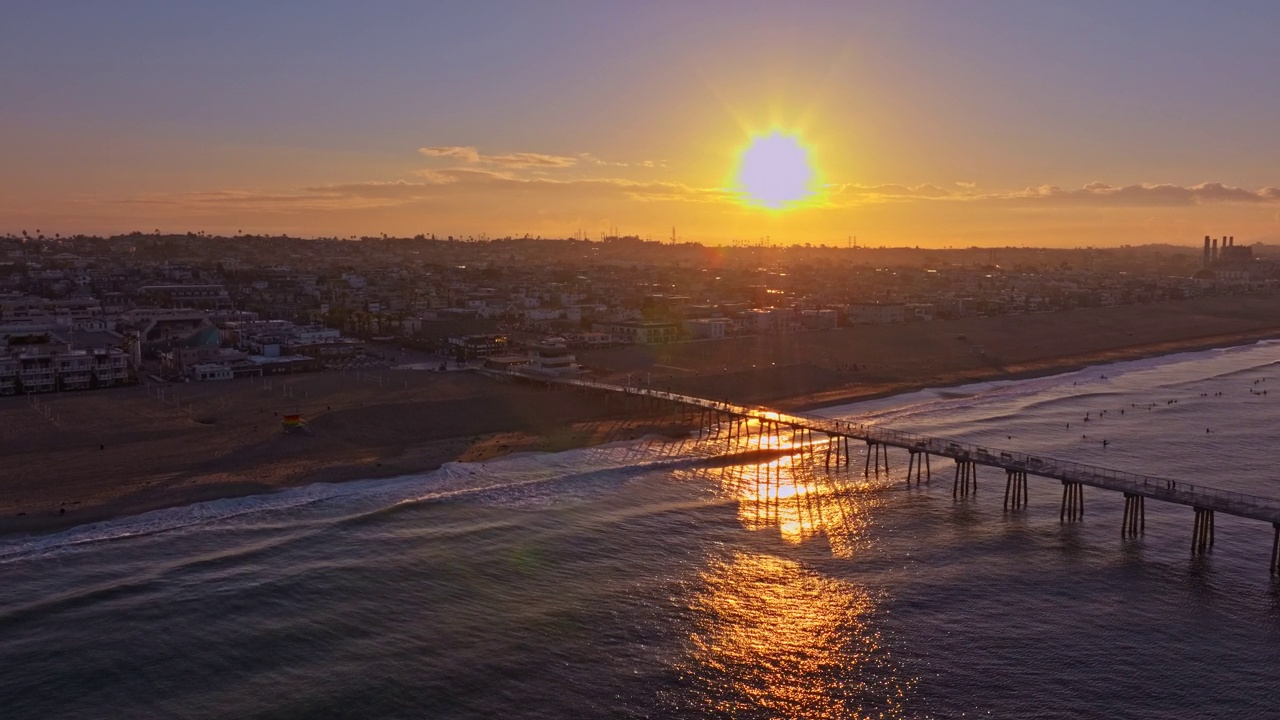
(84, 457)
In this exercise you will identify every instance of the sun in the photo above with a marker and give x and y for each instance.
(775, 172)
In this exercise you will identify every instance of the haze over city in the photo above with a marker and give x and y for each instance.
(990, 124)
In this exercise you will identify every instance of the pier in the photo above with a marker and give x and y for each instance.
(1017, 466)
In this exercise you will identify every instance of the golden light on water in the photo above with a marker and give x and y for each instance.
(801, 506)
(776, 636)
(776, 171)
(772, 636)
(800, 496)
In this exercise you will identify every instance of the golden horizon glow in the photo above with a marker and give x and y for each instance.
(775, 171)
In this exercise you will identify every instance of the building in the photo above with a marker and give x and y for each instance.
(466, 348)
(211, 371)
(285, 364)
(877, 313)
(8, 375)
(552, 359)
(706, 328)
(208, 297)
(184, 362)
(922, 312)
(53, 367)
(505, 362)
(167, 328)
(589, 340)
(274, 338)
(640, 332)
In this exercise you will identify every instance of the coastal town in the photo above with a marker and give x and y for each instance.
(83, 313)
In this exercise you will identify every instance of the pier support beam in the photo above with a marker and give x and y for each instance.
(837, 448)
(1275, 552)
(1135, 516)
(1202, 532)
(1072, 502)
(1015, 489)
(918, 464)
(878, 451)
(966, 480)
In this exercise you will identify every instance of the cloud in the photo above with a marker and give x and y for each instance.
(455, 152)
(1146, 195)
(589, 159)
(512, 160)
(480, 181)
(526, 160)
(523, 160)
(1093, 194)
(850, 193)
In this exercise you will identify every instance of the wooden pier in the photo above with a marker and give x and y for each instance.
(1205, 501)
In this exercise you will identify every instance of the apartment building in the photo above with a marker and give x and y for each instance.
(41, 369)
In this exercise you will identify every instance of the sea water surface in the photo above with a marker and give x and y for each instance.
(671, 579)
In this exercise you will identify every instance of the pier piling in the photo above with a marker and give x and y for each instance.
(1275, 551)
(1015, 489)
(1202, 532)
(966, 480)
(880, 453)
(1135, 518)
(1072, 502)
(917, 465)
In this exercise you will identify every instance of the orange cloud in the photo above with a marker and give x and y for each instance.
(463, 181)
(466, 154)
(1095, 193)
(521, 160)
(511, 160)
(1148, 195)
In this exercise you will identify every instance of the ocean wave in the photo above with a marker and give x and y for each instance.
(1090, 381)
(507, 480)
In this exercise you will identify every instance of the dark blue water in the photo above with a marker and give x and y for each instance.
(663, 580)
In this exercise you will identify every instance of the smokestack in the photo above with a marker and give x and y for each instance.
(1214, 256)
(1206, 251)
(1233, 241)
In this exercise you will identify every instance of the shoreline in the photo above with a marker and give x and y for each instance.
(1032, 371)
(120, 453)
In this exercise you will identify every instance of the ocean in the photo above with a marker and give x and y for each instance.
(673, 579)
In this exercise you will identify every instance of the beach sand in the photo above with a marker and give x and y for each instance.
(82, 457)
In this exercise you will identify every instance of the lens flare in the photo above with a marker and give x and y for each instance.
(775, 172)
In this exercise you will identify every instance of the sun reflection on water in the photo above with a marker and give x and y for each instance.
(776, 639)
(773, 637)
(797, 493)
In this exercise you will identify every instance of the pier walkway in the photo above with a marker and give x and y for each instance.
(1206, 501)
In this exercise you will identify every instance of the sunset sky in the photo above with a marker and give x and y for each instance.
(931, 124)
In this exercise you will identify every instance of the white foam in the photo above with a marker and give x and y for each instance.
(505, 480)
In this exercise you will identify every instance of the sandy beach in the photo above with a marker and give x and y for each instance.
(73, 458)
